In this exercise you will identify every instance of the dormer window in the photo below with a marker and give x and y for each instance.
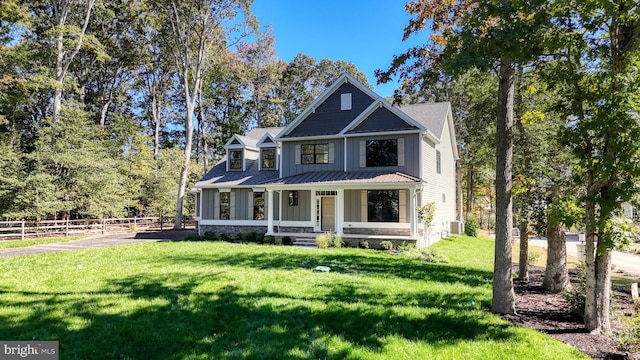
(268, 160)
(235, 159)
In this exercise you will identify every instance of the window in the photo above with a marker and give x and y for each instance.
(225, 206)
(268, 158)
(293, 198)
(383, 206)
(315, 154)
(382, 153)
(258, 206)
(235, 160)
(438, 162)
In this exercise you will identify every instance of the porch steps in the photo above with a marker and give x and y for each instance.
(304, 242)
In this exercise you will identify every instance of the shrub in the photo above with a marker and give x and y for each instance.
(225, 237)
(576, 295)
(210, 236)
(363, 244)
(434, 257)
(471, 225)
(386, 245)
(324, 241)
(407, 246)
(338, 242)
(192, 237)
(286, 240)
(268, 239)
(259, 237)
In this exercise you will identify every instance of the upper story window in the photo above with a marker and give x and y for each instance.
(268, 160)
(382, 152)
(345, 101)
(315, 154)
(235, 159)
(438, 162)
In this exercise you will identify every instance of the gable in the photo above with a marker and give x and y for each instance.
(328, 118)
(235, 142)
(382, 119)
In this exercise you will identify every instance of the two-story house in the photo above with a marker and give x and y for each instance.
(351, 163)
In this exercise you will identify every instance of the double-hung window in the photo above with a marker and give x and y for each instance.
(382, 152)
(258, 206)
(315, 154)
(235, 160)
(268, 160)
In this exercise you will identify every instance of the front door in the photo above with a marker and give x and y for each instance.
(328, 211)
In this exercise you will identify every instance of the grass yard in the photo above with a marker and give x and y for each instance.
(200, 300)
(10, 244)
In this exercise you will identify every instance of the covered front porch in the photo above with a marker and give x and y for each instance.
(354, 206)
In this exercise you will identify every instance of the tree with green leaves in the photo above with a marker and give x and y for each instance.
(595, 53)
(197, 30)
(497, 35)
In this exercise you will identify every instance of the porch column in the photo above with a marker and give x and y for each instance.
(340, 212)
(269, 212)
(413, 213)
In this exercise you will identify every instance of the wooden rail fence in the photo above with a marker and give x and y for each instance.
(27, 229)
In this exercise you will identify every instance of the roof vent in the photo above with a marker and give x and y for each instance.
(345, 101)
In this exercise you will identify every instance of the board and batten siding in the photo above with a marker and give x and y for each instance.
(439, 188)
(408, 153)
(240, 198)
(291, 157)
(300, 212)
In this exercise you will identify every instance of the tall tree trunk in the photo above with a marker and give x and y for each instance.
(523, 263)
(556, 275)
(470, 175)
(603, 287)
(503, 294)
(184, 173)
(591, 320)
(64, 59)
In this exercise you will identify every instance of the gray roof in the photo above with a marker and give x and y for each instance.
(220, 177)
(430, 115)
(341, 177)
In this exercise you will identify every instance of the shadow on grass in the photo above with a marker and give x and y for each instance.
(379, 265)
(176, 320)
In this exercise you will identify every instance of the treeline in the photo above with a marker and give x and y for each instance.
(114, 108)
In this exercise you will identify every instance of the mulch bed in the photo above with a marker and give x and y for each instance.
(549, 313)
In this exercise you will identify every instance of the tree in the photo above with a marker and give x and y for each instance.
(484, 35)
(197, 29)
(597, 47)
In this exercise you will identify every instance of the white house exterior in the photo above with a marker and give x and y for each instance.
(351, 164)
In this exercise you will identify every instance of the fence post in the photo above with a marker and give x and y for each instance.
(161, 222)
(66, 229)
(135, 221)
(103, 226)
(22, 230)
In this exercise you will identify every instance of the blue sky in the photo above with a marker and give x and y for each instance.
(366, 33)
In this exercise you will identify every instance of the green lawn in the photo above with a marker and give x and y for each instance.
(8, 244)
(199, 300)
